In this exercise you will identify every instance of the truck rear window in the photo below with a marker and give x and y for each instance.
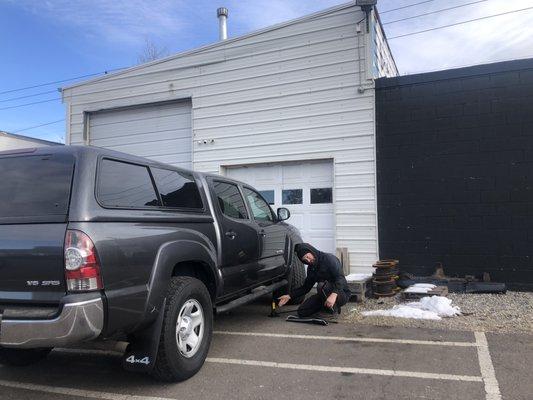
(35, 186)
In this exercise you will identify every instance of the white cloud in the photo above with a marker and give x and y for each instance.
(128, 22)
(489, 40)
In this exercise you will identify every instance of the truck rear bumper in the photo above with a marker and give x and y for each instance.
(80, 319)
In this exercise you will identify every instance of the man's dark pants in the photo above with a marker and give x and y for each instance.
(315, 303)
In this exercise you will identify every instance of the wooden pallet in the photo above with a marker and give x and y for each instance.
(438, 291)
(344, 258)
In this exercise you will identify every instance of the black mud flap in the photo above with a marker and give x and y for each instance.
(141, 354)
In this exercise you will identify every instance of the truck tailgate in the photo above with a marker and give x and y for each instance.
(34, 202)
(32, 263)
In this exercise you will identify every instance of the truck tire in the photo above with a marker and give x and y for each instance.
(186, 332)
(296, 279)
(22, 357)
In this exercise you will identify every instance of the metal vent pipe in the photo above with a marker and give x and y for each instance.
(222, 14)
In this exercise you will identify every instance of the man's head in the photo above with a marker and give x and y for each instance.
(306, 253)
(308, 258)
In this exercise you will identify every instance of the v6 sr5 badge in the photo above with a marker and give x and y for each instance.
(42, 283)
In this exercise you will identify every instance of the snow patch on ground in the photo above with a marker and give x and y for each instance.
(434, 307)
(358, 277)
(420, 288)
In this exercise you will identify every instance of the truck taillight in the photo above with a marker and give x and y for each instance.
(81, 263)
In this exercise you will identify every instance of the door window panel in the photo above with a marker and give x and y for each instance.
(125, 185)
(268, 195)
(292, 196)
(260, 209)
(177, 190)
(321, 195)
(230, 200)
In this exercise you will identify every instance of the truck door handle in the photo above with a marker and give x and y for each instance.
(231, 234)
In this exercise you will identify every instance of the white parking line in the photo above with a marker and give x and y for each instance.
(76, 392)
(363, 371)
(492, 389)
(348, 339)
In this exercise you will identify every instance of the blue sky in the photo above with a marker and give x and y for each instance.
(52, 40)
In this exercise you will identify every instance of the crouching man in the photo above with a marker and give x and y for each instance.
(325, 270)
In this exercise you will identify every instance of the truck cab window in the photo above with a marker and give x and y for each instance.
(268, 195)
(230, 200)
(260, 209)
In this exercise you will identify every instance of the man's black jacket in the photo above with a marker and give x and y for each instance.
(327, 267)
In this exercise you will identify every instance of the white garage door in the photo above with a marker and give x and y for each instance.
(161, 132)
(305, 188)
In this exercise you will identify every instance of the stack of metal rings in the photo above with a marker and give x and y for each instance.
(385, 277)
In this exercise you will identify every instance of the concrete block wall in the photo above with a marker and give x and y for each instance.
(455, 171)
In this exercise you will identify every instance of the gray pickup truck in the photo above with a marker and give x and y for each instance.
(100, 245)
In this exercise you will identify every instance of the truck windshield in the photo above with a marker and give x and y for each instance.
(35, 186)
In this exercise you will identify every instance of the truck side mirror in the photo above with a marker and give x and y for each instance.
(283, 214)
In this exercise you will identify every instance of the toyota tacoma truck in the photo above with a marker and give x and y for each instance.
(97, 245)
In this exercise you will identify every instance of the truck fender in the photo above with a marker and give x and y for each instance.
(170, 254)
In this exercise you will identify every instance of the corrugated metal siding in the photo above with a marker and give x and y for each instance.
(286, 94)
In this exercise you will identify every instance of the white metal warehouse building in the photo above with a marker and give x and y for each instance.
(288, 109)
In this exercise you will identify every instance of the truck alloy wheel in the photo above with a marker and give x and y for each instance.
(190, 328)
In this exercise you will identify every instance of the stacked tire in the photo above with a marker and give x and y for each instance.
(385, 277)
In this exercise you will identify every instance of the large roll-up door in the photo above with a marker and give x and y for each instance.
(161, 132)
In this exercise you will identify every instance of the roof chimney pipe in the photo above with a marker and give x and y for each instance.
(222, 14)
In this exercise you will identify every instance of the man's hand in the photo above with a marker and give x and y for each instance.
(283, 300)
(330, 301)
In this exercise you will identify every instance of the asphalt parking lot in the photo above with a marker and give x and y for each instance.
(253, 356)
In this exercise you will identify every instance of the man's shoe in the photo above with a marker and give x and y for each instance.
(334, 316)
